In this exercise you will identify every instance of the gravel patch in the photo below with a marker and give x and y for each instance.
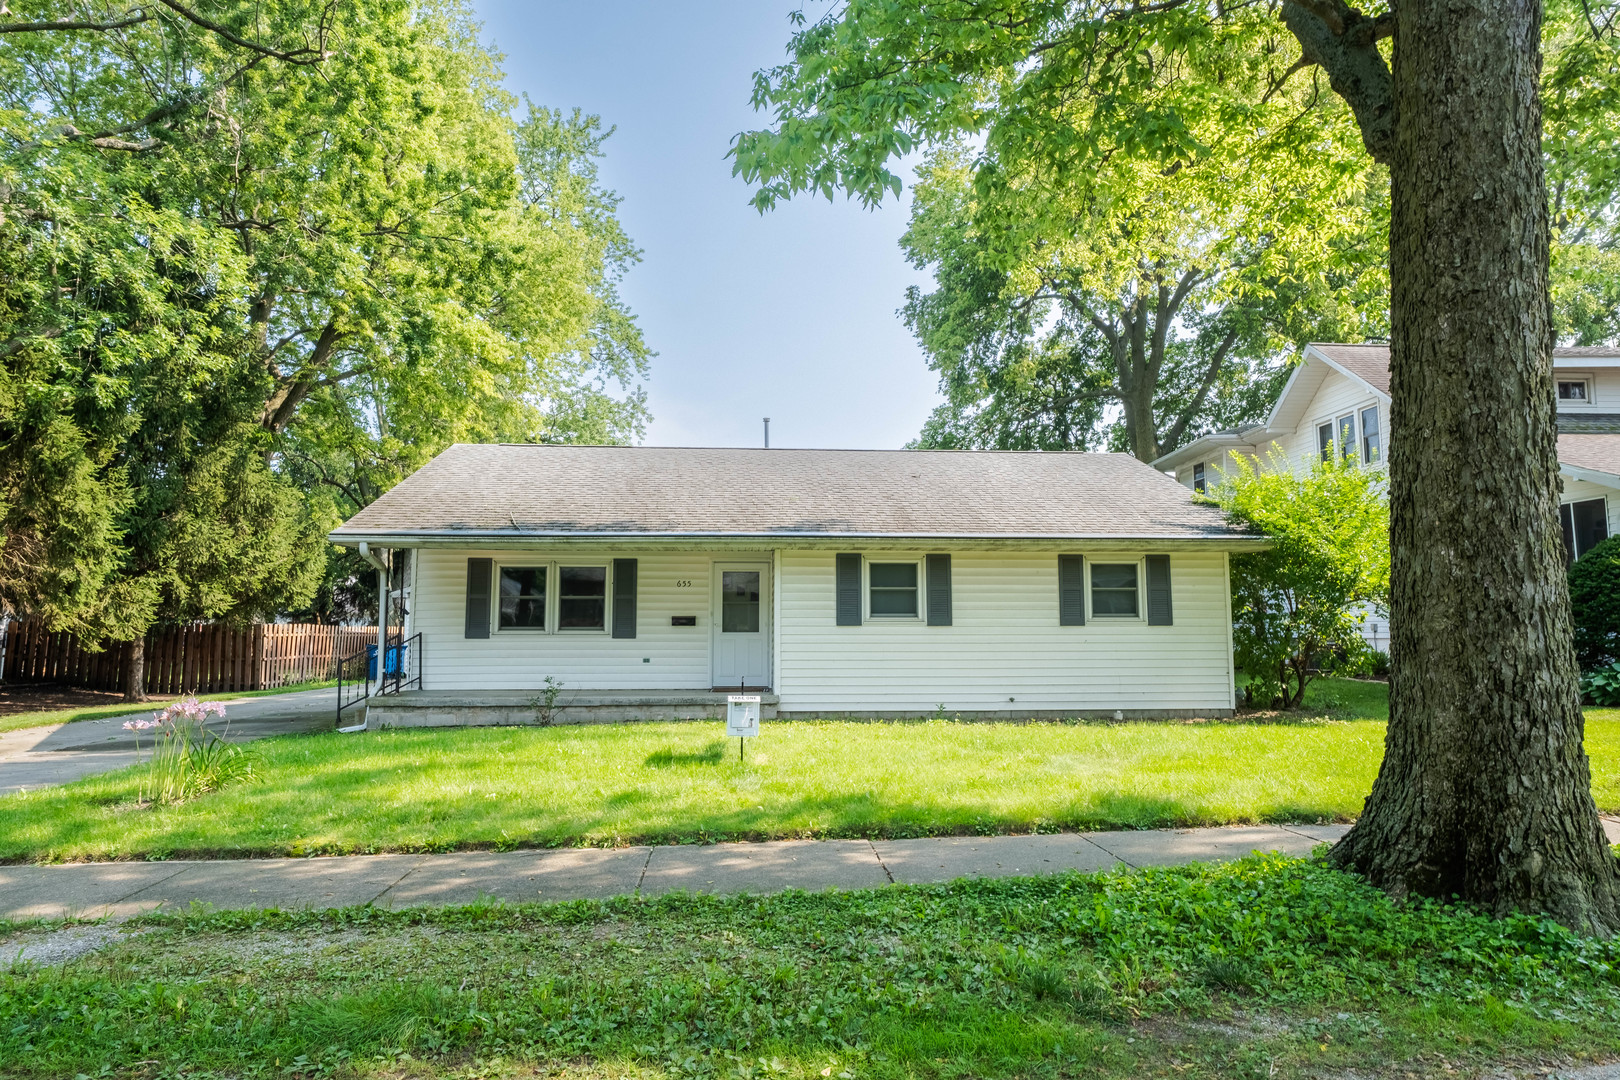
(56, 947)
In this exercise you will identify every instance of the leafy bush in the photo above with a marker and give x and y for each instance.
(1602, 687)
(1304, 597)
(187, 758)
(1594, 595)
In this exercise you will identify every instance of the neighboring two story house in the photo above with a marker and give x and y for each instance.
(1337, 400)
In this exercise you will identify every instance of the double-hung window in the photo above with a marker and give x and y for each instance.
(1198, 477)
(523, 597)
(1114, 589)
(1324, 441)
(581, 597)
(1347, 436)
(1371, 448)
(892, 589)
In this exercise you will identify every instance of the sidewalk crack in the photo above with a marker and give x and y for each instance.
(879, 857)
(409, 870)
(643, 877)
(1117, 858)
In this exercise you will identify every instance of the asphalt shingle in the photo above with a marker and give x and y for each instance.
(532, 490)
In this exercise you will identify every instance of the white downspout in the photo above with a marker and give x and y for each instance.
(382, 611)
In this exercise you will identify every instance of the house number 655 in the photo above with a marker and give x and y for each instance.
(683, 584)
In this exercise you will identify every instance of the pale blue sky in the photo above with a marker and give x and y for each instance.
(789, 315)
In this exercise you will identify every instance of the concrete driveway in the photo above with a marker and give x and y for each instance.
(38, 757)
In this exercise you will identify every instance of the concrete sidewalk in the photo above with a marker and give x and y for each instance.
(37, 757)
(122, 889)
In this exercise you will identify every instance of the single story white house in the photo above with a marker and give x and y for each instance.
(648, 582)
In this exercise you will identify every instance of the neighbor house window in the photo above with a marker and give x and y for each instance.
(893, 588)
(523, 598)
(1371, 450)
(581, 597)
(1347, 436)
(1113, 589)
(1324, 441)
(1586, 525)
(1574, 391)
(1198, 477)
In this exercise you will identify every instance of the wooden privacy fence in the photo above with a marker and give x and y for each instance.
(204, 658)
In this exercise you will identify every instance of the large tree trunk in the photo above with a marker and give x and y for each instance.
(1485, 790)
(135, 670)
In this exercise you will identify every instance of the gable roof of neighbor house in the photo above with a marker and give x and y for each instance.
(505, 492)
(1594, 453)
(1370, 365)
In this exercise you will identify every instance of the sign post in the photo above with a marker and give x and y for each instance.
(742, 718)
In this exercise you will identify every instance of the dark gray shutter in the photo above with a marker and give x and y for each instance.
(1071, 590)
(1158, 590)
(478, 572)
(849, 590)
(939, 590)
(624, 598)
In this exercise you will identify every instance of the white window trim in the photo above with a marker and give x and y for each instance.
(1383, 436)
(1355, 411)
(1580, 377)
(553, 597)
(1140, 562)
(866, 589)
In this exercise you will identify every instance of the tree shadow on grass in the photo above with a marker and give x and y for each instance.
(712, 754)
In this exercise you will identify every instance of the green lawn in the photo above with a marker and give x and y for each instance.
(427, 790)
(45, 717)
(1270, 967)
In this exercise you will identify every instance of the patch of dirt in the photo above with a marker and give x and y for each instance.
(46, 696)
(51, 948)
(1239, 1025)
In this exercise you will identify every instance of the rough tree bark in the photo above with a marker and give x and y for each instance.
(1485, 790)
(135, 670)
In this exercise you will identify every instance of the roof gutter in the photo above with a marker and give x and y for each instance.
(497, 538)
(371, 557)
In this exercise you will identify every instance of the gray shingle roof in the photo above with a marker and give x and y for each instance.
(1575, 423)
(582, 491)
(1600, 453)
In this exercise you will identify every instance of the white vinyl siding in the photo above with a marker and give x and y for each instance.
(1004, 642)
(1603, 387)
(510, 660)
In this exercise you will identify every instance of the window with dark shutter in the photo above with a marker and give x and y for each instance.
(1071, 590)
(478, 575)
(1158, 591)
(939, 589)
(624, 598)
(848, 589)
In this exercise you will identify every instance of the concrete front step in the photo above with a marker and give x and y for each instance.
(460, 708)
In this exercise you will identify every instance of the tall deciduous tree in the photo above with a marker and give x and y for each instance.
(326, 215)
(1485, 790)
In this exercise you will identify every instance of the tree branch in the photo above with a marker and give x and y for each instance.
(297, 56)
(44, 25)
(1172, 438)
(1344, 42)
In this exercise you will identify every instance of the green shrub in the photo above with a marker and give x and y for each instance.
(1301, 600)
(1594, 594)
(1602, 686)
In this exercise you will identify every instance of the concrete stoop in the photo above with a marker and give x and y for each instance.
(524, 708)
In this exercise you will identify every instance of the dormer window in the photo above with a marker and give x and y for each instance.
(1198, 478)
(1574, 391)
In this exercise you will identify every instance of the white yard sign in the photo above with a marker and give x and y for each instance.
(742, 716)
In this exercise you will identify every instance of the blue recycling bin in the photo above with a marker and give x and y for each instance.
(393, 661)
